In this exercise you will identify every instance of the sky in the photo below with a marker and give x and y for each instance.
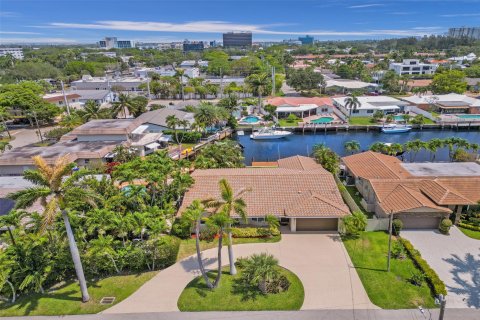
(88, 21)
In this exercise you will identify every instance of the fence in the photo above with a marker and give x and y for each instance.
(346, 196)
(377, 224)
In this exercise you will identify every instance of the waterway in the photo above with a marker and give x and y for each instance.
(298, 144)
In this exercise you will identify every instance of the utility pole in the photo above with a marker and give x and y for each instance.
(389, 239)
(65, 97)
(273, 81)
(221, 83)
(148, 88)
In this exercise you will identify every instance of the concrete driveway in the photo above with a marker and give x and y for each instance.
(456, 259)
(318, 259)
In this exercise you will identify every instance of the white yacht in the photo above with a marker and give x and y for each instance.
(269, 133)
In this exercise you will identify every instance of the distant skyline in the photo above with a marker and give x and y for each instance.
(88, 21)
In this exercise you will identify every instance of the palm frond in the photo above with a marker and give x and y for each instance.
(26, 198)
(226, 190)
(49, 214)
(42, 166)
(36, 177)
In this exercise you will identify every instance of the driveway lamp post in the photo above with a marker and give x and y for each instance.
(389, 240)
(442, 302)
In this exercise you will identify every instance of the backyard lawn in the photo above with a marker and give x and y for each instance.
(286, 123)
(388, 290)
(231, 295)
(361, 121)
(187, 246)
(66, 299)
(470, 233)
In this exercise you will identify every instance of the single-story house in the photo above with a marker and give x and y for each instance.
(157, 120)
(298, 191)
(59, 99)
(300, 106)
(369, 104)
(446, 103)
(99, 96)
(346, 85)
(419, 194)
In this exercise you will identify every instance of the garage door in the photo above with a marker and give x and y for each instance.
(317, 224)
(420, 222)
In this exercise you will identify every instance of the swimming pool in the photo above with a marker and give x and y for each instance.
(469, 116)
(323, 120)
(250, 119)
(399, 118)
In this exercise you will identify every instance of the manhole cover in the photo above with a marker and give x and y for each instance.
(107, 300)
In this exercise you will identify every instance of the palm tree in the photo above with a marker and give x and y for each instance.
(414, 147)
(56, 188)
(432, 146)
(180, 73)
(229, 204)
(8, 221)
(217, 222)
(262, 268)
(352, 103)
(4, 115)
(4, 146)
(352, 146)
(405, 79)
(123, 104)
(92, 110)
(103, 246)
(194, 214)
(209, 114)
(259, 82)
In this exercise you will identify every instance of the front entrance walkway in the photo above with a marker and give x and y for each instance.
(456, 259)
(318, 259)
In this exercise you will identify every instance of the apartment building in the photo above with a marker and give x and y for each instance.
(104, 83)
(412, 66)
(17, 53)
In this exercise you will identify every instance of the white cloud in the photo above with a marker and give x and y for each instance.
(455, 15)
(37, 40)
(222, 26)
(366, 5)
(17, 32)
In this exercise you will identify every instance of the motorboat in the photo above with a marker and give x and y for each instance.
(395, 128)
(269, 133)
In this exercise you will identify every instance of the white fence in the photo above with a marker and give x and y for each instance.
(417, 110)
(376, 224)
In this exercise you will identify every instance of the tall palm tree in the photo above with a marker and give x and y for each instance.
(259, 82)
(56, 187)
(92, 110)
(123, 104)
(352, 146)
(180, 73)
(229, 204)
(352, 103)
(432, 146)
(414, 147)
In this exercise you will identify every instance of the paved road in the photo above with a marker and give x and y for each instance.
(318, 259)
(26, 136)
(456, 259)
(289, 91)
(378, 314)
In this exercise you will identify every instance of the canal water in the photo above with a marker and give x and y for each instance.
(298, 144)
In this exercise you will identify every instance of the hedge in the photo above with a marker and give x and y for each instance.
(184, 136)
(435, 283)
(468, 226)
(254, 232)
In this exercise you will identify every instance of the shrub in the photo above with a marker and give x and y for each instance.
(207, 233)
(445, 225)
(417, 278)
(397, 226)
(278, 284)
(57, 133)
(161, 251)
(184, 136)
(468, 226)
(398, 251)
(434, 282)
(254, 232)
(181, 228)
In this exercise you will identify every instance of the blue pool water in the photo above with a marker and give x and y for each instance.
(298, 144)
(399, 118)
(469, 116)
(323, 120)
(251, 119)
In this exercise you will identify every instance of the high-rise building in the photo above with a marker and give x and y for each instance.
(306, 40)
(113, 43)
(237, 39)
(189, 46)
(472, 33)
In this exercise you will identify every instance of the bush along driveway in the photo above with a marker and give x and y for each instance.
(456, 259)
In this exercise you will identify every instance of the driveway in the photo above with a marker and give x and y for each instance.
(318, 259)
(456, 259)
(26, 136)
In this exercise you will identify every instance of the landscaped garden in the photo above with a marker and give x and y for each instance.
(470, 223)
(260, 284)
(407, 285)
(361, 121)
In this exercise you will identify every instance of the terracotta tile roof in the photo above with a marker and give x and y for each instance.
(300, 163)
(264, 164)
(403, 196)
(444, 195)
(297, 101)
(374, 165)
(468, 187)
(280, 191)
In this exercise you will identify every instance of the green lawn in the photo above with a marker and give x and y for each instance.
(470, 233)
(361, 121)
(231, 296)
(285, 123)
(187, 246)
(388, 290)
(66, 299)
(352, 190)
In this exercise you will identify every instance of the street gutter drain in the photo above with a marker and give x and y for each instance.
(107, 300)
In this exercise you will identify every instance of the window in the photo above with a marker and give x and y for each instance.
(355, 111)
(87, 161)
(258, 219)
(324, 109)
(369, 111)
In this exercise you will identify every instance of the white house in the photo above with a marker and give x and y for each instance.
(370, 104)
(103, 83)
(412, 66)
(193, 63)
(469, 57)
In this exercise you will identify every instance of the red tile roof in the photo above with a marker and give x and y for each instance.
(297, 101)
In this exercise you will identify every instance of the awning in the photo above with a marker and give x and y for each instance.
(153, 145)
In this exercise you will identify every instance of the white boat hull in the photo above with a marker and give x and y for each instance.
(260, 136)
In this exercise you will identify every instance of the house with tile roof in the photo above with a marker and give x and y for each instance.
(419, 194)
(298, 191)
(302, 107)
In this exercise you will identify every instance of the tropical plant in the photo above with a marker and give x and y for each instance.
(432, 146)
(4, 116)
(209, 115)
(174, 123)
(259, 270)
(5, 145)
(413, 147)
(352, 103)
(56, 186)
(259, 83)
(221, 154)
(327, 158)
(354, 223)
(352, 146)
(229, 203)
(92, 110)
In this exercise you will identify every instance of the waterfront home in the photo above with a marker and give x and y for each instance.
(452, 103)
(368, 105)
(419, 194)
(301, 107)
(157, 120)
(347, 85)
(297, 190)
